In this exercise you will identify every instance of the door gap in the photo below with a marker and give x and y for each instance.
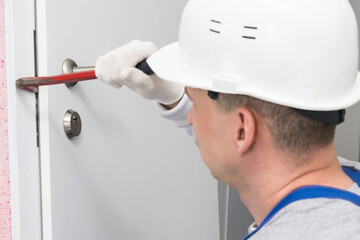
(36, 72)
(36, 94)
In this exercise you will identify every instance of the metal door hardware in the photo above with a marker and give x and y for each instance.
(72, 124)
(70, 66)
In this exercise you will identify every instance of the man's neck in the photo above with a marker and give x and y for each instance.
(269, 184)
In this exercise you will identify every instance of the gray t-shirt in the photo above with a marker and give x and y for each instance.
(318, 218)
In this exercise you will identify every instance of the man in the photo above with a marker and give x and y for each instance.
(268, 81)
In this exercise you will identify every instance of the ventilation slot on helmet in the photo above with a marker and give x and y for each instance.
(213, 30)
(255, 28)
(250, 37)
(215, 21)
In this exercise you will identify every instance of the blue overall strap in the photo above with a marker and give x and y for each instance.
(314, 191)
(353, 174)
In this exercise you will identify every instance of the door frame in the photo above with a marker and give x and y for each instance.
(24, 162)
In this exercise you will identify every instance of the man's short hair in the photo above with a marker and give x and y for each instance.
(292, 133)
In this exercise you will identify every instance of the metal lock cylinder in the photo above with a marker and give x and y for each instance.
(72, 124)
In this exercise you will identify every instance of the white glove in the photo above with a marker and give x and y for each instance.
(117, 68)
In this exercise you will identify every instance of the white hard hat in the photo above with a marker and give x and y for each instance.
(298, 53)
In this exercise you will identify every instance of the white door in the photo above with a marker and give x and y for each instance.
(130, 174)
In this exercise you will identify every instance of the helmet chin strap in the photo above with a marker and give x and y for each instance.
(330, 117)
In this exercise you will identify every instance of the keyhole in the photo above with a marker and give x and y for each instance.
(75, 118)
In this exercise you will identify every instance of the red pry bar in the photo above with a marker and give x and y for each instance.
(32, 83)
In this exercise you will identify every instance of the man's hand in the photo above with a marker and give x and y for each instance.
(117, 68)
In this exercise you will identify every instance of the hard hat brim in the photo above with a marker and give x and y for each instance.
(166, 63)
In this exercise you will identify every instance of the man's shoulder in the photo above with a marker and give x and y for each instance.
(319, 218)
(314, 219)
(347, 163)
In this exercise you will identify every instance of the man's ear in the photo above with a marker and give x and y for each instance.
(245, 130)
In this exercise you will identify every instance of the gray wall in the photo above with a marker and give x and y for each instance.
(348, 133)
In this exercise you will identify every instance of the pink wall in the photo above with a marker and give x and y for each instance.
(5, 211)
